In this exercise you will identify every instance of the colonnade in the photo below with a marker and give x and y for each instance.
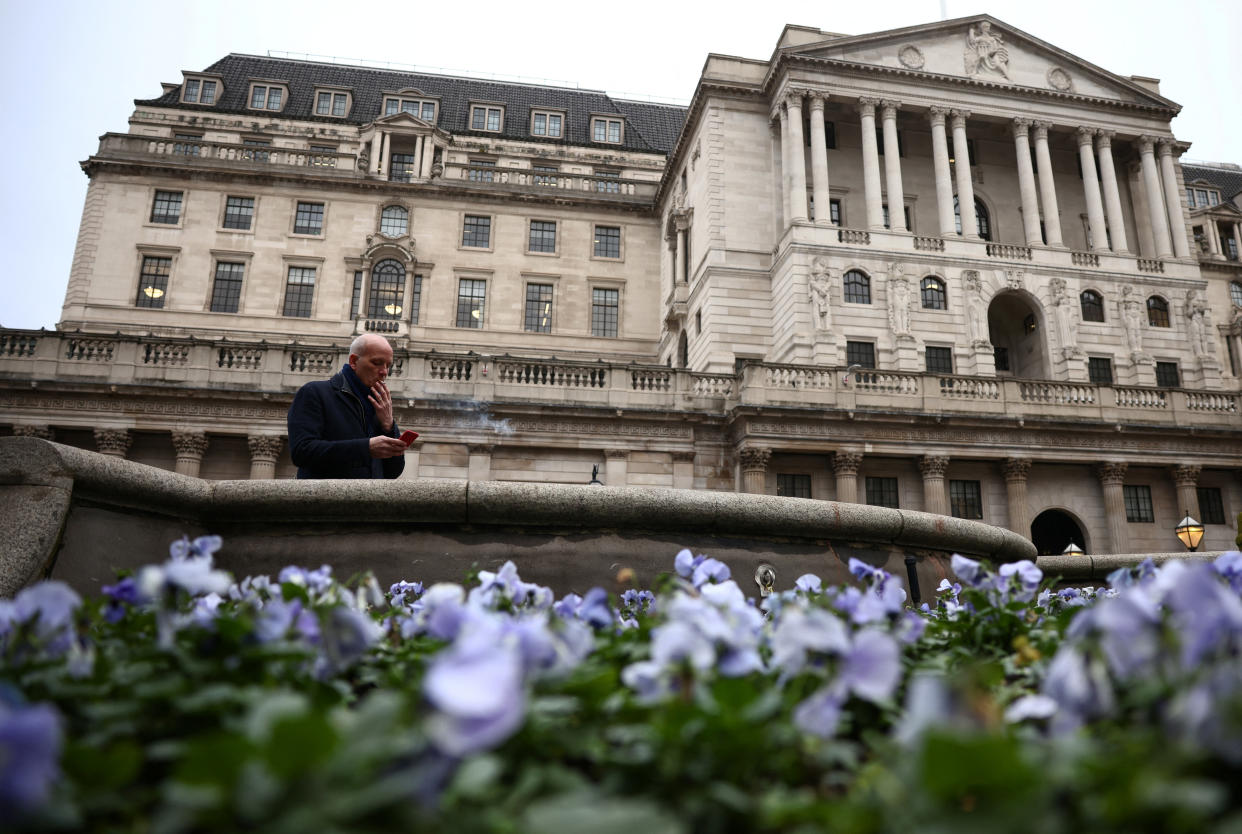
(381, 153)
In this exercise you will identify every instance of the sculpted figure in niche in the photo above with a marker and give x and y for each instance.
(820, 303)
(1132, 319)
(985, 49)
(898, 301)
(976, 312)
(1067, 316)
(1197, 312)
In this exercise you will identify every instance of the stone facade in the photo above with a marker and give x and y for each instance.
(719, 297)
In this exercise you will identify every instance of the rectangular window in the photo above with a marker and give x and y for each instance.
(477, 231)
(332, 104)
(209, 93)
(834, 212)
(485, 118)
(166, 208)
(1167, 375)
(1211, 507)
(793, 486)
(939, 360)
(1001, 356)
(189, 144)
(401, 167)
(256, 155)
(328, 160)
(905, 213)
(484, 175)
(543, 172)
(226, 290)
(606, 130)
(153, 282)
(299, 292)
(547, 124)
(471, 296)
(416, 299)
(1138, 503)
(608, 241)
(1100, 370)
(538, 308)
(191, 90)
(606, 182)
(860, 353)
(882, 492)
(542, 236)
(355, 301)
(309, 219)
(323, 104)
(965, 499)
(604, 308)
(238, 212)
(266, 98)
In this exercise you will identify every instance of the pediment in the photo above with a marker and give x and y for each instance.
(403, 119)
(982, 48)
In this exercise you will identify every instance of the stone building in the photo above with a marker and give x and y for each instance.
(947, 267)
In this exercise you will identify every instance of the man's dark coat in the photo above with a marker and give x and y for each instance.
(328, 434)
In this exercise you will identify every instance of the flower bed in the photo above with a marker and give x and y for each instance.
(182, 700)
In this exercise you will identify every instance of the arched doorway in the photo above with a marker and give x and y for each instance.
(1015, 329)
(1053, 530)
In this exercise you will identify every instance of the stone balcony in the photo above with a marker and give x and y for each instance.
(39, 358)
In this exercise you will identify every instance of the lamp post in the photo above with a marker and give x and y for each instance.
(595, 481)
(1190, 532)
(1072, 549)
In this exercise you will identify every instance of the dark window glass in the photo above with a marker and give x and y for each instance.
(471, 296)
(339, 102)
(209, 92)
(860, 353)
(604, 182)
(238, 212)
(1138, 503)
(542, 172)
(1100, 370)
(190, 146)
(965, 499)
(477, 231)
(605, 306)
(299, 292)
(1001, 357)
(834, 212)
(355, 302)
(1235, 293)
(191, 90)
(607, 241)
(429, 111)
(392, 106)
(226, 290)
(933, 293)
(309, 219)
(394, 221)
(256, 155)
(1211, 507)
(542, 236)
(882, 492)
(153, 282)
(905, 213)
(387, 287)
(323, 104)
(539, 308)
(1157, 312)
(939, 360)
(416, 299)
(982, 219)
(1092, 304)
(401, 167)
(1167, 375)
(167, 207)
(485, 174)
(857, 287)
(793, 486)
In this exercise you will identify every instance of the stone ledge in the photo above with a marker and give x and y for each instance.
(1094, 569)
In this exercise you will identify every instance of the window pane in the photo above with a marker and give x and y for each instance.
(882, 492)
(860, 353)
(1235, 293)
(356, 300)
(387, 287)
(857, 287)
(539, 308)
(939, 360)
(607, 241)
(793, 486)
(614, 131)
(409, 107)
(1092, 306)
(541, 172)
(1167, 375)
(965, 499)
(1001, 356)
(226, 291)
(604, 182)
(401, 167)
(391, 106)
(933, 294)
(540, 127)
(599, 130)
(322, 103)
(542, 236)
(471, 295)
(191, 90)
(238, 212)
(1157, 312)
(834, 212)
(477, 231)
(485, 175)
(554, 125)
(339, 102)
(429, 111)
(257, 97)
(1211, 507)
(604, 308)
(1100, 370)
(478, 118)
(274, 95)
(209, 92)
(309, 219)
(153, 282)
(167, 207)
(1138, 503)
(299, 292)
(416, 299)
(493, 119)
(394, 221)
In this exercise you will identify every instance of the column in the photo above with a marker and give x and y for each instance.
(871, 164)
(786, 165)
(41, 432)
(797, 158)
(479, 467)
(264, 450)
(754, 469)
(385, 146)
(944, 176)
(377, 148)
(1237, 239)
(892, 169)
(1155, 204)
(1173, 200)
(681, 222)
(1212, 232)
(819, 162)
(113, 442)
(933, 468)
(429, 155)
(190, 446)
(616, 467)
(418, 156)
(1112, 195)
(845, 465)
(1091, 190)
(1016, 470)
(1112, 475)
(1186, 478)
(683, 470)
(1026, 183)
(965, 188)
(1047, 185)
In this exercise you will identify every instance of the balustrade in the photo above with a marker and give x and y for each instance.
(854, 236)
(1085, 259)
(320, 362)
(239, 358)
(1220, 403)
(228, 152)
(18, 344)
(970, 388)
(1057, 393)
(884, 382)
(1140, 398)
(929, 244)
(1009, 252)
(1150, 265)
(90, 350)
(165, 353)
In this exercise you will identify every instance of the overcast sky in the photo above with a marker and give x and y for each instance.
(73, 69)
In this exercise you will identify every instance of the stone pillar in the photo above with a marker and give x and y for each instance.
(683, 470)
(1026, 182)
(944, 176)
(1155, 202)
(479, 466)
(797, 158)
(965, 188)
(845, 465)
(679, 254)
(1112, 475)
(385, 149)
(1016, 470)
(114, 442)
(41, 432)
(871, 164)
(1173, 200)
(1237, 240)
(264, 450)
(1047, 185)
(1186, 478)
(892, 169)
(1212, 233)
(377, 148)
(412, 456)
(1112, 195)
(754, 469)
(1091, 191)
(786, 165)
(616, 467)
(190, 446)
(429, 155)
(935, 500)
(819, 162)
(418, 156)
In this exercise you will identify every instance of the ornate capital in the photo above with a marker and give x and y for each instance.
(617, 454)
(1041, 130)
(866, 106)
(1016, 469)
(1111, 473)
(1146, 143)
(685, 456)
(1021, 127)
(933, 466)
(889, 108)
(959, 118)
(1104, 138)
(41, 432)
(113, 442)
(189, 443)
(755, 459)
(846, 463)
(936, 115)
(1168, 146)
(817, 101)
(1086, 135)
(265, 447)
(793, 98)
(1186, 475)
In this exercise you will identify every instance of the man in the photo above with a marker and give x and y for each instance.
(343, 427)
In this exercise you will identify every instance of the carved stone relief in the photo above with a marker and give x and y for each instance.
(911, 57)
(1059, 79)
(985, 50)
(976, 311)
(1197, 312)
(1132, 320)
(821, 303)
(1066, 308)
(899, 301)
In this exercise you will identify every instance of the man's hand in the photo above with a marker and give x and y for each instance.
(386, 447)
(381, 401)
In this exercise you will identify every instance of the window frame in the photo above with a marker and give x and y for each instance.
(1163, 371)
(1235, 293)
(543, 232)
(605, 287)
(1211, 510)
(487, 108)
(487, 175)
(401, 167)
(315, 268)
(217, 90)
(401, 101)
(853, 351)
(1158, 312)
(793, 485)
(1136, 498)
(1100, 370)
(225, 215)
(607, 180)
(476, 282)
(154, 254)
(941, 352)
(878, 487)
(232, 261)
(547, 114)
(941, 288)
(1096, 303)
(384, 209)
(323, 218)
(846, 282)
(267, 87)
(969, 497)
(332, 93)
(491, 230)
(181, 206)
(550, 301)
(595, 243)
(608, 120)
(373, 292)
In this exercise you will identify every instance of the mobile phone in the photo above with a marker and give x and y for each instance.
(408, 437)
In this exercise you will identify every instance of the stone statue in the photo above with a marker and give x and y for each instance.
(364, 157)
(1197, 311)
(1132, 319)
(820, 301)
(987, 50)
(898, 302)
(976, 312)
(1067, 317)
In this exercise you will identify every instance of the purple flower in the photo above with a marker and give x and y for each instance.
(1026, 575)
(969, 571)
(685, 563)
(50, 607)
(800, 632)
(477, 689)
(346, 634)
(120, 595)
(567, 606)
(709, 570)
(595, 609)
(1030, 706)
(872, 666)
(1079, 685)
(1229, 565)
(30, 745)
(809, 583)
(820, 713)
(201, 547)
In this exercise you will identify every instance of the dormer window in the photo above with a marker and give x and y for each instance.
(547, 123)
(424, 109)
(607, 130)
(199, 91)
(267, 96)
(483, 117)
(1199, 197)
(331, 103)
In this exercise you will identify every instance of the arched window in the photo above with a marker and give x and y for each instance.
(983, 220)
(387, 288)
(934, 297)
(1092, 304)
(394, 221)
(1235, 293)
(1157, 312)
(857, 287)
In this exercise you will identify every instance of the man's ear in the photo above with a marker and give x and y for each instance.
(353, 361)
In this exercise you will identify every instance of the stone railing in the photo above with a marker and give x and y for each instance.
(1085, 258)
(854, 236)
(1150, 265)
(491, 176)
(1060, 393)
(189, 151)
(1009, 252)
(928, 244)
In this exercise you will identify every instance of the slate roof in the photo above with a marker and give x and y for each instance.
(1228, 180)
(649, 127)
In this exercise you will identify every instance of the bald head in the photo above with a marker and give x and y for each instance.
(370, 356)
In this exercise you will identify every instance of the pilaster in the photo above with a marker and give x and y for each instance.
(264, 450)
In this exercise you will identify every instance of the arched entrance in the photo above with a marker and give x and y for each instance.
(1052, 530)
(1015, 328)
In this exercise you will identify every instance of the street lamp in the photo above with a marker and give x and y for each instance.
(1190, 532)
(1071, 549)
(595, 481)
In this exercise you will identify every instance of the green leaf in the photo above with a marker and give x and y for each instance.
(586, 811)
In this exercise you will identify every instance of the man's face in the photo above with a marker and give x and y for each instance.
(372, 366)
